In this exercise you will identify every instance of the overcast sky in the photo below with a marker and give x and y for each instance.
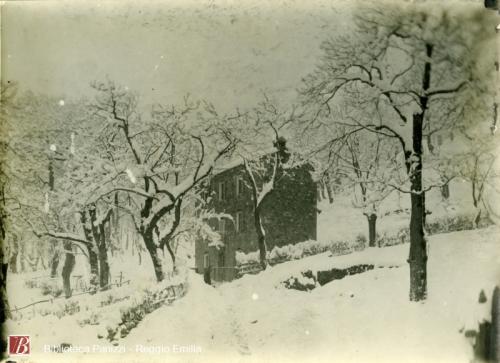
(224, 51)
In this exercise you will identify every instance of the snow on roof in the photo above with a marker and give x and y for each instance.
(238, 160)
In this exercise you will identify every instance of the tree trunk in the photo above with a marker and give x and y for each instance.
(171, 253)
(94, 267)
(69, 264)
(424, 208)
(116, 222)
(54, 263)
(418, 248)
(169, 237)
(261, 239)
(103, 265)
(13, 258)
(42, 260)
(54, 259)
(329, 190)
(4, 308)
(477, 219)
(102, 251)
(4, 301)
(139, 254)
(153, 253)
(372, 233)
(93, 259)
(34, 263)
(321, 190)
(418, 251)
(445, 191)
(476, 198)
(99, 237)
(22, 258)
(418, 244)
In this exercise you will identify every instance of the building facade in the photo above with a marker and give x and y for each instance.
(289, 216)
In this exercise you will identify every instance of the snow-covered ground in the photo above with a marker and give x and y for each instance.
(362, 318)
(365, 317)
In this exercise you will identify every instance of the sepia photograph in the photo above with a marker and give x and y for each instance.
(250, 181)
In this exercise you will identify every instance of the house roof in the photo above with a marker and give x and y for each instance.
(237, 160)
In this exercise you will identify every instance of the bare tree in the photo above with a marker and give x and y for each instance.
(369, 164)
(409, 70)
(266, 158)
(262, 187)
(477, 168)
(159, 161)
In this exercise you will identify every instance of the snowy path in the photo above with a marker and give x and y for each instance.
(365, 317)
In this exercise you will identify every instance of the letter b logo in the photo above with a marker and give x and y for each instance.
(19, 344)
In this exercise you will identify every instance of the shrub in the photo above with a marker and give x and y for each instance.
(360, 239)
(306, 282)
(31, 284)
(401, 236)
(450, 224)
(69, 308)
(131, 314)
(51, 288)
(482, 297)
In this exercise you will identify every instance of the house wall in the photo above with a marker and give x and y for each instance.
(288, 216)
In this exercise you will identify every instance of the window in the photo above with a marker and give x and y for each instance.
(222, 191)
(205, 260)
(239, 222)
(222, 226)
(239, 185)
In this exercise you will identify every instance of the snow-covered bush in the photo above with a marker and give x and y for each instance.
(304, 282)
(31, 283)
(391, 239)
(442, 224)
(69, 308)
(51, 287)
(119, 322)
(300, 250)
(361, 239)
(450, 224)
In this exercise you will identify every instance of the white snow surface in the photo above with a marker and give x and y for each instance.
(362, 318)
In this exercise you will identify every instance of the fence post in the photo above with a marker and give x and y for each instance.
(121, 277)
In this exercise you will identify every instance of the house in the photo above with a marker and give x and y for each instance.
(288, 216)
